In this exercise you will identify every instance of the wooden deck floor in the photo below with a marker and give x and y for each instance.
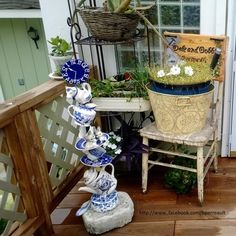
(160, 211)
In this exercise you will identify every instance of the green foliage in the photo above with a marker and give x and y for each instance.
(119, 86)
(113, 4)
(117, 6)
(139, 81)
(60, 47)
(3, 224)
(122, 7)
(58, 71)
(181, 181)
(81, 3)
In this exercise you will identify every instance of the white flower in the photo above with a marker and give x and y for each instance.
(118, 151)
(181, 62)
(112, 133)
(175, 70)
(109, 145)
(160, 73)
(118, 139)
(188, 70)
(113, 146)
(105, 144)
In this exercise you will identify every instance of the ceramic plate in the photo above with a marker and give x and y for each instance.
(101, 161)
(75, 71)
(53, 75)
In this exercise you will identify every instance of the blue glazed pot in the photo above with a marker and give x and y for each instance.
(180, 89)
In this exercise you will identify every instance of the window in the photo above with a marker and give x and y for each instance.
(167, 15)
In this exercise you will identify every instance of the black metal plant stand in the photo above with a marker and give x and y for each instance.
(78, 41)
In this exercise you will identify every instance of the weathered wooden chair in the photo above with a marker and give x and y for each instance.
(207, 138)
(200, 140)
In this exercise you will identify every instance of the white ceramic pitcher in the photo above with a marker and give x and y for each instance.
(81, 95)
(99, 183)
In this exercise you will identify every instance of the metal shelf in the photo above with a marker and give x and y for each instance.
(93, 41)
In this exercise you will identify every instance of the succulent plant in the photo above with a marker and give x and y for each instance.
(116, 6)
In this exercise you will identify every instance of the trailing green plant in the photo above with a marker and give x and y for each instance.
(60, 47)
(130, 84)
(181, 181)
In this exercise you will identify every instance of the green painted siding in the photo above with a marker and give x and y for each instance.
(19, 57)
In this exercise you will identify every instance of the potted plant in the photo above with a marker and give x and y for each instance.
(124, 92)
(131, 143)
(181, 181)
(180, 96)
(115, 21)
(61, 53)
(181, 73)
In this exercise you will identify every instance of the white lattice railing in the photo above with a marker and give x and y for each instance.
(59, 137)
(38, 161)
(11, 209)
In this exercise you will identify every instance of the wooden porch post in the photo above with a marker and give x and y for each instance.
(24, 142)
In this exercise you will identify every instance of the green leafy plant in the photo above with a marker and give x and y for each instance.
(60, 47)
(3, 224)
(181, 181)
(130, 84)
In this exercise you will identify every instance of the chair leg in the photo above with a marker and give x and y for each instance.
(215, 162)
(145, 167)
(200, 174)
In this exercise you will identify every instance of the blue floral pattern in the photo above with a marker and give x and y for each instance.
(101, 161)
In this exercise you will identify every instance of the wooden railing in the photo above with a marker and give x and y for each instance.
(38, 157)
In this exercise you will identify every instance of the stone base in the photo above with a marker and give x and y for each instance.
(98, 223)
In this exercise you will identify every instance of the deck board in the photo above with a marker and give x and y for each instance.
(206, 228)
(164, 228)
(161, 211)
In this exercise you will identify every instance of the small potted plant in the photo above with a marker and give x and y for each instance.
(123, 92)
(181, 181)
(61, 53)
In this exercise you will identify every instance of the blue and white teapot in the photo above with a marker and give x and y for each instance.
(82, 114)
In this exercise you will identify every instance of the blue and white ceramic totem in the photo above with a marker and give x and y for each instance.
(106, 209)
(101, 184)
